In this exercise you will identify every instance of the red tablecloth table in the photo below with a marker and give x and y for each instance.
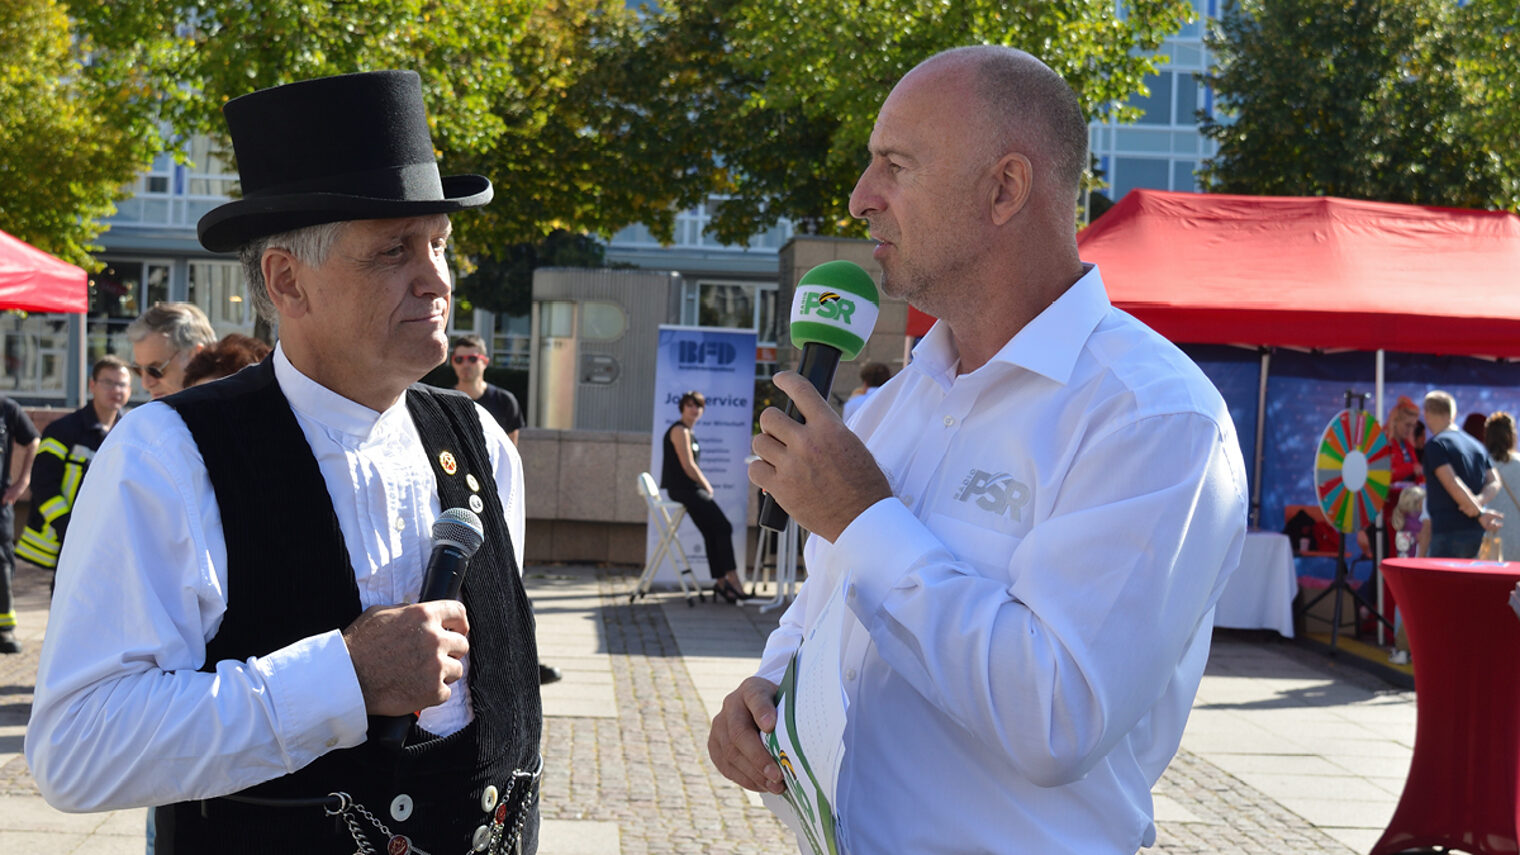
(1463, 789)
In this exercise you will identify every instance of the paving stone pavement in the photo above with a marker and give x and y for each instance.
(1286, 752)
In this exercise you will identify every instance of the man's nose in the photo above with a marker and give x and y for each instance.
(433, 280)
(864, 200)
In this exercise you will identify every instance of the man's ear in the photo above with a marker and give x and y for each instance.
(282, 283)
(1013, 180)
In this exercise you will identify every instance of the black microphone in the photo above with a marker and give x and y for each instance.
(457, 536)
(833, 312)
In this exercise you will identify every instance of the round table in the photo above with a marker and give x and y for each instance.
(1463, 788)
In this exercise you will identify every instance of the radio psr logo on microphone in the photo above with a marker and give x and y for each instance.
(828, 306)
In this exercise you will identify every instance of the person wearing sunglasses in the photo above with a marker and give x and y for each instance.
(469, 361)
(164, 340)
(241, 590)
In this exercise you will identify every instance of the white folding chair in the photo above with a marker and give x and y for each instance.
(786, 565)
(665, 515)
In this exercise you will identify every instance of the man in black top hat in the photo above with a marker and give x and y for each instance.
(236, 626)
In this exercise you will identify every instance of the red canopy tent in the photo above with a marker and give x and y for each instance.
(1312, 272)
(1309, 272)
(34, 281)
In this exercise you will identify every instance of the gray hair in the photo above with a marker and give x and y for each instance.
(1031, 108)
(310, 245)
(184, 323)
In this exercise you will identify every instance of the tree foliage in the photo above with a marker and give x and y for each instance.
(590, 116)
(526, 92)
(69, 141)
(1366, 99)
(503, 281)
(793, 86)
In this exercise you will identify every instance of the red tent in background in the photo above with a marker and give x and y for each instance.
(1309, 272)
(1312, 272)
(34, 281)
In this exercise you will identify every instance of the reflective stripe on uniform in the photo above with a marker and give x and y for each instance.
(52, 446)
(38, 548)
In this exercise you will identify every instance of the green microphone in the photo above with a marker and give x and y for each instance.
(833, 312)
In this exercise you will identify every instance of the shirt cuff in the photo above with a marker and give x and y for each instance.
(315, 694)
(877, 552)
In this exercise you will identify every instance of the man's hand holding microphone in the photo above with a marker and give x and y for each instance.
(406, 657)
(812, 468)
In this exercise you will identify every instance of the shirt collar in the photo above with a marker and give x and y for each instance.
(332, 411)
(1048, 345)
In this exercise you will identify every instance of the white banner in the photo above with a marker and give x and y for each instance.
(719, 363)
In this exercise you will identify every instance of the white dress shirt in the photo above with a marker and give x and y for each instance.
(1029, 618)
(122, 718)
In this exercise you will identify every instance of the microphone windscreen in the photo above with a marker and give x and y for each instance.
(460, 527)
(835, 304)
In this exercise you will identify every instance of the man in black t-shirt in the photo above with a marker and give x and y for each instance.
(17, 433)
(469, 360)
(468, 357)
(1464, 482)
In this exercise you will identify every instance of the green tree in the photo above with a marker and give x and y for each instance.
(1354, 98)
(69, 141)
(1488, 66)
(526, 92)
(503, 282)
(791, 87)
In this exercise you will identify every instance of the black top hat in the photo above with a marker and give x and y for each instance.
(352, 147)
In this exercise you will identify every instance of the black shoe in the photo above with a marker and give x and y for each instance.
(722, 588)
(8, 642)
(548, 674)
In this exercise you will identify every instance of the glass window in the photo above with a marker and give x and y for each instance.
(602, 321)
(556, 318)
(1182, 176)
(726, 305)
(765, 328)
(1187, 99)
(218, 288)
(1132, 172)
(1157, 105)
(1143, 140)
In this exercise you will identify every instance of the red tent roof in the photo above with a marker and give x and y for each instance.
(34, 281)
(1312, 272)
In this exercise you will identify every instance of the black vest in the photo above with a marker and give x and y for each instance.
(289, 577)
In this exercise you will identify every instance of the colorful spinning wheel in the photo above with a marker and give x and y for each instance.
(1352, 470)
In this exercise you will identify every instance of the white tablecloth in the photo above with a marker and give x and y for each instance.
(1260, 593)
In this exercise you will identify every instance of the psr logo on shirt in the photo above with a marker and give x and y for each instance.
(998, 493)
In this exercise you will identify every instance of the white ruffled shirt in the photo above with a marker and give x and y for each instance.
(1029, 618)
(121, 717)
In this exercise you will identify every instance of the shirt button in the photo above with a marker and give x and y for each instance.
(852, 593)
(907, 500)
(482, 839)
(400, 524)
(949, 420)
(333, 742)
(401, 807)
(489, 798)
(849, 674)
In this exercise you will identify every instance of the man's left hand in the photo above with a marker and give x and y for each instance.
(13, 494)
(820, 472)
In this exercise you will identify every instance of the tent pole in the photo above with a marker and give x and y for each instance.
(1377, 540)
(80, 360)
(1261, 438)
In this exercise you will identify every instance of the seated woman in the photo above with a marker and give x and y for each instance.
(683, 480)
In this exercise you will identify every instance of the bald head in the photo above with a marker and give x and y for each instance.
(1023, 107)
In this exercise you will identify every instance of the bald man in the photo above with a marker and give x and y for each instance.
(1021, 542)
